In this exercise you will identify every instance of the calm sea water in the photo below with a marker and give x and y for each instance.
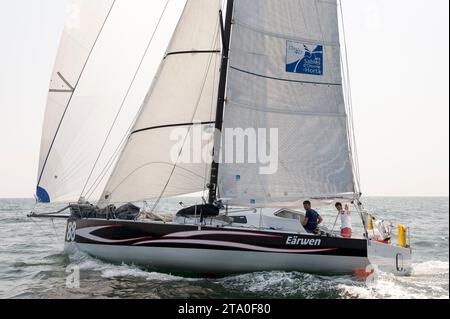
(33, 265)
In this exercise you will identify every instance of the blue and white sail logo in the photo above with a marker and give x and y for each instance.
(304, 58)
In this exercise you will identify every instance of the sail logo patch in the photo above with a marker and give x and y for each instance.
(304, 58)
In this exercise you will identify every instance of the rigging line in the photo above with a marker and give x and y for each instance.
(73, 93)
(117, 152)
(110, 162)
(347, 113)
(349, 129)
(351, 120)
(191, 172)
(205, 78)
(350, 100)
(175, 166)
(126, 96)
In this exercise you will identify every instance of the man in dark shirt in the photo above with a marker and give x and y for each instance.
(312, 218)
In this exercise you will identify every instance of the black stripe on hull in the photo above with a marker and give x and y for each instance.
(135, 234)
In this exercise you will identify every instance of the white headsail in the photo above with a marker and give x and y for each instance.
(285, 73)
(102, 45)
(183, 94)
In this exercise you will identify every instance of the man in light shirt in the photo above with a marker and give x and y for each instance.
(346, 221)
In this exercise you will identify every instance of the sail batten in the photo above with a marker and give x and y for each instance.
(284, 79)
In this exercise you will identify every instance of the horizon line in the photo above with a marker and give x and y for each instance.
(366, 196)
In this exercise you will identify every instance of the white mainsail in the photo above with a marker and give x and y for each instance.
(285, 73)
(96, 62)
(184, 93)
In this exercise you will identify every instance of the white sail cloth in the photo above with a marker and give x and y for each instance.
(183, 93)
(96, 63)
(285, 73)
(84, 21)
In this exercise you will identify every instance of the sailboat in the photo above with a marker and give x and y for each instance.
(260, 66)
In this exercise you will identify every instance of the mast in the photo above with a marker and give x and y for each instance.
(286, 75)
(226, 38)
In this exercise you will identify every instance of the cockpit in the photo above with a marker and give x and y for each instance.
(281, 220)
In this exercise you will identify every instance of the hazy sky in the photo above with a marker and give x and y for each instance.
(399, 56)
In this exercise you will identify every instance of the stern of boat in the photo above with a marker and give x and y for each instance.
(390, 258)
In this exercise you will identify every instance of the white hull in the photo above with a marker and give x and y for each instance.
(390, 258)
(226, 250)
(221, 262)
(227, 262)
